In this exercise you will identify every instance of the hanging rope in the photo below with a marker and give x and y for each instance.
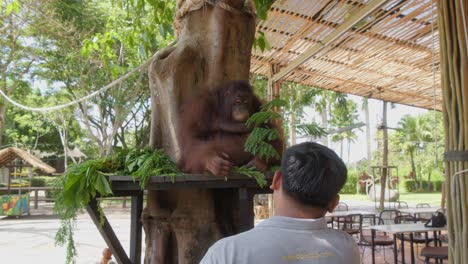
(103, 89)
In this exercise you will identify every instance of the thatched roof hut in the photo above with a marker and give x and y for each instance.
(8, 155)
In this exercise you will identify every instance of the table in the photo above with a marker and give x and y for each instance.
(348, 213)
(344, 214)
(402, 229)
(421, 210)
(126, 186)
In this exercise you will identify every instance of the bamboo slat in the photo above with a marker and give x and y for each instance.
(387, 55)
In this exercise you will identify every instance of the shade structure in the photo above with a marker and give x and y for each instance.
(8, 155)
(387, 50)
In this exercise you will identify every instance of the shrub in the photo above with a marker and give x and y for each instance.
(38, 182)
(410, 185)
(438, 186)
(423, 186)
(350, 184)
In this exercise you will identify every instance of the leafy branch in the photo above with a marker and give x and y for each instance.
(252, 173)
(258, 142)
(85, 181)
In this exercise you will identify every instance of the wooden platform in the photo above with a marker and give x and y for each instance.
(126, 186)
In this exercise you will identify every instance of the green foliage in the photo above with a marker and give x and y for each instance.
(258, 141)
(262, 7)
(312, 129)
(350, 184)
(144, 163)
(423, 186)
(85, 181)
(38, 182)
(79, 185)
(252, 173)
(261, 42)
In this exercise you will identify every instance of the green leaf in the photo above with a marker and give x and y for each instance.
(262, 7)
(72, 179)
(252, 173)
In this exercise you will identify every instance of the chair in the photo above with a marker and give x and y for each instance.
(423, 217)
(340, 220)
(381, 239)
(341, 207)
(400, 205)
(436, 253)
(352, 223)
(423, 205)
(388, 216)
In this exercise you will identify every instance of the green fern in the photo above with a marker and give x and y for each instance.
(252, 173)
(258, 141)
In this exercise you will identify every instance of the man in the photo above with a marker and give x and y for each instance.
(304, 190)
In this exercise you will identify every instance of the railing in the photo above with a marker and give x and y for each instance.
(36, 199)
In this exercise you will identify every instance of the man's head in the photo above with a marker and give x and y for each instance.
(312, 175)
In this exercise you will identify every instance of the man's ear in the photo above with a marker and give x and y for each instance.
(333, 203)
(277, 181)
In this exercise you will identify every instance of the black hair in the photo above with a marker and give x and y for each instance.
(312, 174)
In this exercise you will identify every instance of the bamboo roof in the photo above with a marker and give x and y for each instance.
(373, 48)
(8, 155)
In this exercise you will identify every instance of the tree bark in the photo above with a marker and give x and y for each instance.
(384, 171)
(368, 137)
(292, 123)
(214, 46)
(324, 116)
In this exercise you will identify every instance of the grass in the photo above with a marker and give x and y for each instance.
(411, 198)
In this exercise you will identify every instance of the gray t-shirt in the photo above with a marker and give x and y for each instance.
(286, 240)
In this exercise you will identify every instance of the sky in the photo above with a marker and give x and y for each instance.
(358, 148)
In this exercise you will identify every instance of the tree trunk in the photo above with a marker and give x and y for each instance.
(3, 107)
(368, 138)
(349, 150)
(384, 171)
(341, 148)
(324, 116)
(413, 166)
(292, 123)
(214, 46)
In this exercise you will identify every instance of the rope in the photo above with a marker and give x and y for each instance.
(103, 89)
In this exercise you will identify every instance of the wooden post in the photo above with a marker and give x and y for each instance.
(273, 93)
(136, 228)
(36, 198)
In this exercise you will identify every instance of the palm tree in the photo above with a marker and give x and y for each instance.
(344, 115)
(413, 132)
(298, 97)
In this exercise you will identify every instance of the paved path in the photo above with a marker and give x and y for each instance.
(31, 239)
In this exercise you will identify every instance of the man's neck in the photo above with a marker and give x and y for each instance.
(291, 208)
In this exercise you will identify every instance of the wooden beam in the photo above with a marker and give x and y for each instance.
(107, 233)
(340, 30)
(246, 212)
(136, 228)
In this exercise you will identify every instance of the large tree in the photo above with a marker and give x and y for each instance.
(213, 45)
(18, 54)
